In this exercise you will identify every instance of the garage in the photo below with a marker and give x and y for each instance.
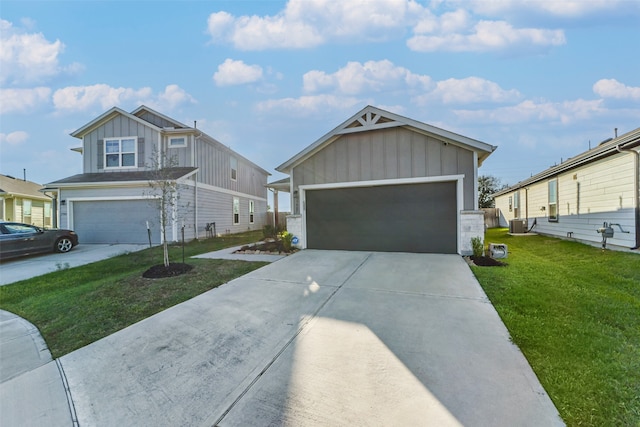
(112, 221)
(391, 218)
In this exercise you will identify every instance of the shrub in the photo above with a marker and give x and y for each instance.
(285, 238)
(269, 231)
(477, 246)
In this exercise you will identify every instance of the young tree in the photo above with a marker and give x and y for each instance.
(164, 188)
(487, 185)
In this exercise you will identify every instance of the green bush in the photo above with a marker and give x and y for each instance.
(285, 238)
(477, 246)
(269, 231)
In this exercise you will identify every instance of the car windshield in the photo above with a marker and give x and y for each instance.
(19, 228)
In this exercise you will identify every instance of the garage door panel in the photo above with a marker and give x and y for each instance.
(116, 221)
(394, 218)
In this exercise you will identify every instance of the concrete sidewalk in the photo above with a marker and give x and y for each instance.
(32, 391)
(318, 338)
(14, 270)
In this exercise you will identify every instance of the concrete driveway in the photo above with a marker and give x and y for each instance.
(320, 338)
(14, 270)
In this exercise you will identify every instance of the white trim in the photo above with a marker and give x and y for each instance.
(70, 201)
(459, 179)
(120, 152)
(183, 137)
(475, 181)
(202, 186)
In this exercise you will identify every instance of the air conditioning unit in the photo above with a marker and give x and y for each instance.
(518, 226)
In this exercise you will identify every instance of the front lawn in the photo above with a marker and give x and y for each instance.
(574, 311)
(75, 307)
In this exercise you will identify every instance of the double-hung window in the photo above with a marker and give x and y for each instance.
(553, 200)
(234, 169)
(516, 204)
(236, 210)
(120, 152)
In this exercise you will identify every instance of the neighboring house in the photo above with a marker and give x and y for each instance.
(21, 201)
(383, 182)
(112, 201)
(575, 199)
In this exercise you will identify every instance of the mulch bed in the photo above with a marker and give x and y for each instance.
(486, 261)
(268, 247)
(160, 271)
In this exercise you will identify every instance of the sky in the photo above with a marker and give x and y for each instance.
(543, 80)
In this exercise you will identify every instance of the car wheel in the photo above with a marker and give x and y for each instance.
(64, 244)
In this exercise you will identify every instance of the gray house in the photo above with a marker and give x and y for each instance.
(384, 182)
(112, 200)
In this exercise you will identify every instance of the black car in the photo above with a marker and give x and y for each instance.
(17, 239)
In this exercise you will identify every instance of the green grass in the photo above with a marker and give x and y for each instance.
(574, 311)
(75, 307)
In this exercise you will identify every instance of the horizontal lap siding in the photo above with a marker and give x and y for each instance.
(588, 196)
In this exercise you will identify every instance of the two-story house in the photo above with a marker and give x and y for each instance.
(112, 201)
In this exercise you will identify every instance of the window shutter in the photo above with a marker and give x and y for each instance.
(140, 152)
(100, 154)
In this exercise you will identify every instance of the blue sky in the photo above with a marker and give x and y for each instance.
(539, 79)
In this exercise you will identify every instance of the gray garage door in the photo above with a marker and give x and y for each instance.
(116, 221)
(389, 218)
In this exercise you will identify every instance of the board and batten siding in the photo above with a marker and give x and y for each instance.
(117, 127)
(214, 162)
(393, 153)
(588, 196)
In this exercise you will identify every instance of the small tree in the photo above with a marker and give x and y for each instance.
(164, 188)
(487, 185)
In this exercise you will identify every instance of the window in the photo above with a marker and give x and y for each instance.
(510, 203)
(234, 168)
(251, 211)
(236, 210)
(26, 211)
(120, 152)
(178, 141)
(516, 204)
(553, 200)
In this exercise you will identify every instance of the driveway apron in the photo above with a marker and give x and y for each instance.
(319, 338)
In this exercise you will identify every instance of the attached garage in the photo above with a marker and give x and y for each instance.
(384, 182)
(389, 218)
(116, 221)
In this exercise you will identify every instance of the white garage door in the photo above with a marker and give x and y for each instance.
(116, 221)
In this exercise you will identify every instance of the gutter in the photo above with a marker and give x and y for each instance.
(636, 188)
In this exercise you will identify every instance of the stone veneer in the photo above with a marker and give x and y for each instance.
(471, 225)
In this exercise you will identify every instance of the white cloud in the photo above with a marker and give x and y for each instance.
(14, 138)
(467, 91)
(488, 36)
(309, 23)
(80, 98)
(611, 88)
(530, 111)
(29, 57)
(371, 76)
(23, 100)
(306, 105)
(564, 8)
(232, 72)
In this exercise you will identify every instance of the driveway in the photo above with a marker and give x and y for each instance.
(319, 338)
(14, 270)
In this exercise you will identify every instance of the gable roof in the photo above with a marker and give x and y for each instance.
(10, 186)
(105, 117)
(604, 149)
(373, 118)
(143, 108)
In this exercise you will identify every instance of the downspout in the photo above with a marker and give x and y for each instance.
(636, 189)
